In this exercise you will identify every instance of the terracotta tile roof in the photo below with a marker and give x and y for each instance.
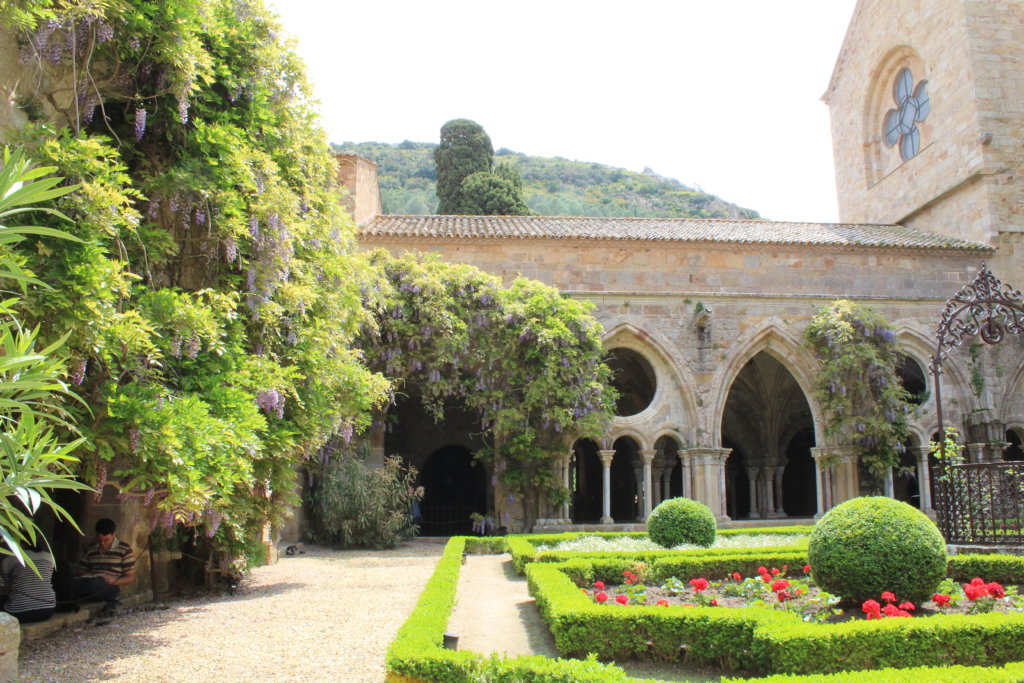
(662, 230)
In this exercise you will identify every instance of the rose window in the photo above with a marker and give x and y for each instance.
(912, 107)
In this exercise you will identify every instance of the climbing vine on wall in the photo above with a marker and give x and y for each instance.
(213, 299)
(525, 360)
(857, 384)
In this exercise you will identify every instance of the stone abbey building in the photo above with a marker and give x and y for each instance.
(704, 319)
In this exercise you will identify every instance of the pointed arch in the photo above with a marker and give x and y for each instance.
(675, 380)
(782, 342)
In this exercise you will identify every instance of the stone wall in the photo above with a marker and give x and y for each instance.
(358, 176)
(655, 298)
(965, 181)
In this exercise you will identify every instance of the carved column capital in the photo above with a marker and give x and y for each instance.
(606, 457)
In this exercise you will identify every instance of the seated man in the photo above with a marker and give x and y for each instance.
(31, 596)
(106, 565)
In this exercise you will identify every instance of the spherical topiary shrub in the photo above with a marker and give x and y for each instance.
(681, 520)
(869, 545)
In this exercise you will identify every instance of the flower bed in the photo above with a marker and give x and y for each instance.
(760, 638)
(777, 589)
(416, 654)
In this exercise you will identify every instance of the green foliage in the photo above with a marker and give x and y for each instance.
(865, 546)
(489, 194)
(465, 149)
(857, 383)
(416, 651)
(363, 506)
(759, 639)
(681, 520)
(211, 302)
(526, 361)
(551, 186)
(35, 456)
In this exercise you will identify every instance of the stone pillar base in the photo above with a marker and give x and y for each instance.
(607, 520)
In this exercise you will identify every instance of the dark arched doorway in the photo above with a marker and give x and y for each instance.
(1014, 450)
(624, 488)
(586, 482)
(765, 408)
(906, 480)
(454, 488)
(799, 477)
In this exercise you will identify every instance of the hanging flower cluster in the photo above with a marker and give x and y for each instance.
(857, 383)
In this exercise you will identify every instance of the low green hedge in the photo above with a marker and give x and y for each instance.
(523, 548)
(951, 674)
(1001, 568)
(416, 651)
(760, 639)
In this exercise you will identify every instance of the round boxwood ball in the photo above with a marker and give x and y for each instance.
(869, 545)
(681, 520)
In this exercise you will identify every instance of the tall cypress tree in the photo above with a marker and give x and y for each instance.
(465, 149)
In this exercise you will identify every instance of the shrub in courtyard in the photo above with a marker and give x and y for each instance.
(359, 505)
(681, 520)
(866, 546)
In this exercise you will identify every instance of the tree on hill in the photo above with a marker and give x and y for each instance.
(465, 149)
(488, 194)
(465, 183)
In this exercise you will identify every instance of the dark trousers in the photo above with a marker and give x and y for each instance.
(31, 616)
(95, 588)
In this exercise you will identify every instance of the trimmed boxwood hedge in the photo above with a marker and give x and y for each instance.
(760, 639)
(523, 548)
(682, 520)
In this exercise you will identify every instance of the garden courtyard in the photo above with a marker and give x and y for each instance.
(355, 615)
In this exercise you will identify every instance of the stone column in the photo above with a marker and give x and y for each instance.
(376, 435)
(709, 478)
(779, 472)
(606, 489)
(687, 475)
(843, 482)
(773, 484)
(924, 480)
(819, 486)
(755, 507)
(566, 462)
(887, 486)
(666, 483)
(648, 458)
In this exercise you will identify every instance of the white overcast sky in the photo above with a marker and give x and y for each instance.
(725, 95)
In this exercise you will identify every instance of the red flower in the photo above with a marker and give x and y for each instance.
(807, 569)
(621, 599)
(974, 592)
(888, 597)
(977, 582)
(629, 580)
(663, 603)
(891, 610)
(785, 567)
(940, 599)
(766, 577)
(714, 602)
(762, 570)
(737, 576)
(699, 584)
(870, 606)
(775, 572)
(799, 591)
(995, 590)
(909, 606)
(784, 595)
(601, 597)
(599, 585)
(780, 585)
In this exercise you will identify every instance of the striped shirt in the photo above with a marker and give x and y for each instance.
(28, 591)
(116, 562)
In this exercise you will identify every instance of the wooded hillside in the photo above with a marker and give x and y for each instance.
(551, 186)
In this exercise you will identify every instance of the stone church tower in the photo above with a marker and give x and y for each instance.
(927, 110)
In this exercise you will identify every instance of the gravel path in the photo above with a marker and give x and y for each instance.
(324, 615)
(495, 613)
